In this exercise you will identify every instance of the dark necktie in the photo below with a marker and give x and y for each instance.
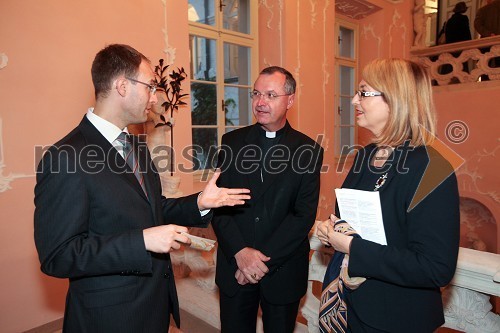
(131, 159)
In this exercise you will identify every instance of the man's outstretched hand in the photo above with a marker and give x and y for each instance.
(214, 196)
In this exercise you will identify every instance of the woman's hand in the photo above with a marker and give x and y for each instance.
(323, 229)
(329, 236)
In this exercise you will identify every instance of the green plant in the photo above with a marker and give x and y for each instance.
(170, 85)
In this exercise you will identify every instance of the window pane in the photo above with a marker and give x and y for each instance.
(205, 148)
(204, 104)
(347, 83)
(346, 42)
(236, 64)
(346, 137)
(236, 15)
(201, 11)
(203, 58)
(237, 106)
(346, 112)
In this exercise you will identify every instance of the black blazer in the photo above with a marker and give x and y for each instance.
(402, 292)
(278, 217)
(89, 216)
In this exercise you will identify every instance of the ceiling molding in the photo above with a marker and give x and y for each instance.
(356, 9)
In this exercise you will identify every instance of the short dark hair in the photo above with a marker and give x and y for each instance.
(112, 61)
(290, 83)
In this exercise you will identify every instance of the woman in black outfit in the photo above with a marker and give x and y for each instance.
(420, 209)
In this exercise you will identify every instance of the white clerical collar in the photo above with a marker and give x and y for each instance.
(270, 135)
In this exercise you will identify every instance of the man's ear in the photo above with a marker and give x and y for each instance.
(121, 86)
(290, 101)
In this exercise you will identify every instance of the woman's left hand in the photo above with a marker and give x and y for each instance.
(328, 236)
(322, 231)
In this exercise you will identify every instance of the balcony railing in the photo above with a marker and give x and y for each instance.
(471, 61)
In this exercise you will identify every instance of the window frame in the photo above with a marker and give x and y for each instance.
(351, 63)
(221, 36)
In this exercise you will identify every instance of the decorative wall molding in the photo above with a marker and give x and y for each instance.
(269, 8)
(314, 13)
(355, 9)
(5, 180)
(168, 50)
(471, 170)
(393, 29)
(4, 60)
(369, 30)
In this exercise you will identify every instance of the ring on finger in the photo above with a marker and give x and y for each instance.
(254, 276)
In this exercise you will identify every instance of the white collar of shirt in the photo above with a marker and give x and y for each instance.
(270, 135)
(109, 130)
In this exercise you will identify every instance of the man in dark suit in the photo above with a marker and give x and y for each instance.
(263, 253)
(105, 227)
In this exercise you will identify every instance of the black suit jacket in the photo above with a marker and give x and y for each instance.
(278, 217)
(89, 217)
(402, 292)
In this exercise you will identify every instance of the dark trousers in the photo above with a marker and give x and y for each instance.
(238, 314)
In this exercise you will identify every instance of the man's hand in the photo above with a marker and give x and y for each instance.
(214, 196)
(240, 277)
(251, 264)
(164, 238)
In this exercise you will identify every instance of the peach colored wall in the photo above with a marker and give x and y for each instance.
(299, 35)
(468, 124)
(45, 89)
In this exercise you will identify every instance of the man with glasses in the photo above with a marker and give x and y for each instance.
(263, 254)
(100, 219)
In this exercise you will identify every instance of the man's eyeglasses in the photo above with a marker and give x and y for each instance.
(268, 96)
(152, 87)
(362, 94)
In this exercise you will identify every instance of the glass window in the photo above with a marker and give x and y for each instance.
(346, 42)
(203, 104)
(236, 15)
(237, 106)
(203, 58)
(223, 66)
(346, 60)
(236, 64)
(201, 11)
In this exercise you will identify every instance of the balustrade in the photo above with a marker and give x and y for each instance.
(463, 62)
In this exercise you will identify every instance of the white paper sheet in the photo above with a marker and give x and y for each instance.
(362, 210)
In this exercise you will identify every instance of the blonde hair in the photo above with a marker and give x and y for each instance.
(407, 90)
